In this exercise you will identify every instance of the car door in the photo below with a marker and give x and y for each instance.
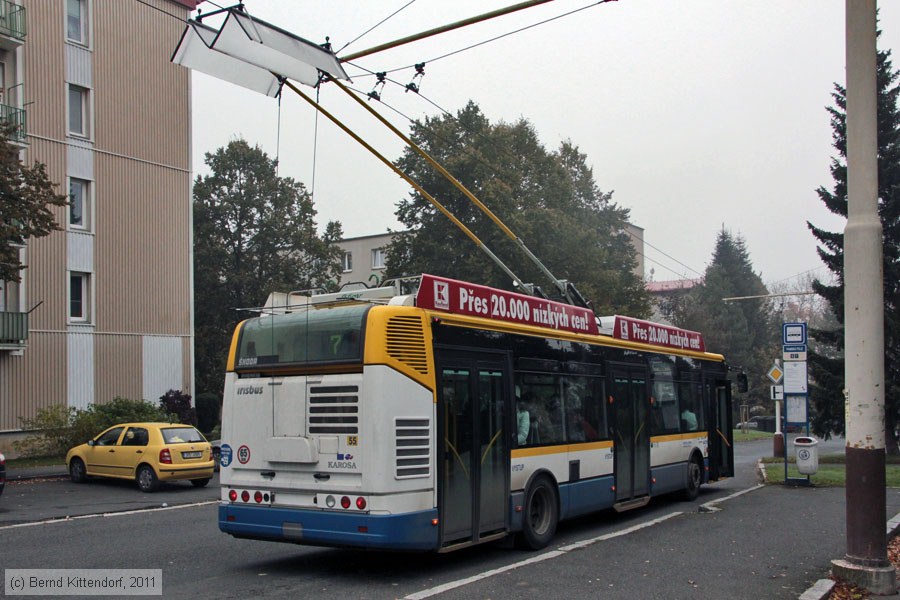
(131, 451)
(101, 456)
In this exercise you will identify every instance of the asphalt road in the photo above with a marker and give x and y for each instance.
(669, 549)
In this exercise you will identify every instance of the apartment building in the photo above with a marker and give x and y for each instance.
(364, 256)
(104, 307)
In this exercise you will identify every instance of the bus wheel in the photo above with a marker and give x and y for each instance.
(694, 479)
(540, 516)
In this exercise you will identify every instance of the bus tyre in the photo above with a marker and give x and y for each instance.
(77, 472)
(694, 479)
(540, 516)
(146, 478)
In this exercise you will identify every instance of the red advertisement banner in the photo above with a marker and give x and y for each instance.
(636, 330)
(462, 298)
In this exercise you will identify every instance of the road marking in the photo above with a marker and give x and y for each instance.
(563, 550)
(107, 514)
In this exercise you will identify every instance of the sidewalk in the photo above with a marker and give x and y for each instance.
(16, 474)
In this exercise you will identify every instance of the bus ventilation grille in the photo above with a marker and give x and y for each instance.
(413, 437)
(406, 342)
(333, 409)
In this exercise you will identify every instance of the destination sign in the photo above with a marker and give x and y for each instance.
(462, 298)
(637, 330)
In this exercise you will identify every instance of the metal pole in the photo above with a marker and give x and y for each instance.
(443, 29)
(866, 561)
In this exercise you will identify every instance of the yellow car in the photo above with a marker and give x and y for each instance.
(146, 452)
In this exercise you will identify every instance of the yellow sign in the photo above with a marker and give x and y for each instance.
(775, 374)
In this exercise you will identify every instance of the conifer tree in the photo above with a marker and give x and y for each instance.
(826, 360)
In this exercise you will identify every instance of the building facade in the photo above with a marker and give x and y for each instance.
(364, 257)
(104, 307)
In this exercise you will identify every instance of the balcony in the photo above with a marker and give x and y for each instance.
(13, 330)
(16, 116)
(12, 21)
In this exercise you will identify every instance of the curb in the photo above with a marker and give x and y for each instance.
(821, 589)
(12, 476)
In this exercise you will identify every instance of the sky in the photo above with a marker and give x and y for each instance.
(696, 114)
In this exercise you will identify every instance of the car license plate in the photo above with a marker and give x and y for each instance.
(191, 454)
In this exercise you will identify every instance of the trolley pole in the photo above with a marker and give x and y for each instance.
(866, 561)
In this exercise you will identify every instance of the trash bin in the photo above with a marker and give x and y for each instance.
(807, 455)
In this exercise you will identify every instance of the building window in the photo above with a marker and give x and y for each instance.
(79, 111)
(378, 258)
(80, 203)
(79, 297)
(348, 262)
(76, 21)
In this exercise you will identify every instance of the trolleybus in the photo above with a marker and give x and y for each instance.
(459, 415)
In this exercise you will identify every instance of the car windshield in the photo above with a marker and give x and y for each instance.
(181, 435)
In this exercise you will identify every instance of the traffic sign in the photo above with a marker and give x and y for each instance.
(794, 352)
(793, 333)
(776, 392)
(775, 374)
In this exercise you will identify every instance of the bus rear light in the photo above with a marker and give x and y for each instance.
(653, 480)
(362, 529)
(258, 497)
(165, 457)
(612, 487)
(245, 496)
(361, 503)
(345, 502)
(330, 501)
(232, 495)
(434, 522)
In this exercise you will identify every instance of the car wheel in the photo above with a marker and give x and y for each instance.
(540, 516)
(694, 479)
(77, 471)
(200, 482)
(146, 479)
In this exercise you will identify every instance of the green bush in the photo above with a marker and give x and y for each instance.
(58, 428)
(53, 432)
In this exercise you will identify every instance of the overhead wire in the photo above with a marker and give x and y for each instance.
(501, 36)
(371, 29)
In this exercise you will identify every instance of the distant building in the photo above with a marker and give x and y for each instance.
(104, 307)
(364, 257)
(665, 295)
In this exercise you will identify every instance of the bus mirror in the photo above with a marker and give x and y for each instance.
(742, 382)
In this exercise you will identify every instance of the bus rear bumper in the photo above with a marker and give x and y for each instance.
(410, 531)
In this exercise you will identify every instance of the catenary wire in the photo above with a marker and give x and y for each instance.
(371, 29)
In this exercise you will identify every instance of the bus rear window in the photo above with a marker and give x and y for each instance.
(316, 335)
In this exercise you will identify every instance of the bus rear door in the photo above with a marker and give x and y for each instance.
(472, 448)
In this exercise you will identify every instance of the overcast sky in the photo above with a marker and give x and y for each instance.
(698, 114)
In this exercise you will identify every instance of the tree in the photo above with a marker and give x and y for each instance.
(548, 199)
(254, 233)
(826, 360)
(26, 198)
(742, 330)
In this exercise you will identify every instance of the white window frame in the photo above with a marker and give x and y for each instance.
(86, 286)
(377, 258)
(87, 205)
(85, 94)
(347, 262)
(83, 38)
